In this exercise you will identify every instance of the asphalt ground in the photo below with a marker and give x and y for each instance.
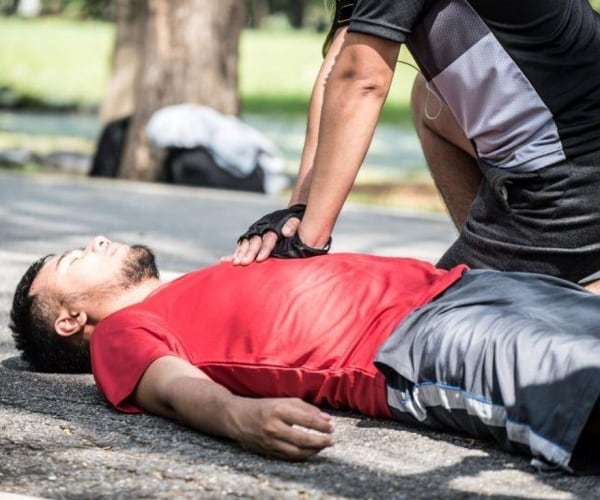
(59, 439)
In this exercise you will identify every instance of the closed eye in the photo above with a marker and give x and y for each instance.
(76, 255)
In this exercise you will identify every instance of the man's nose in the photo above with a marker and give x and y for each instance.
(98, 244)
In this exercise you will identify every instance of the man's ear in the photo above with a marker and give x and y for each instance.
(70, 322)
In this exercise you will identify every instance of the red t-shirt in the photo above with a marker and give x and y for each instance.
(307, 328)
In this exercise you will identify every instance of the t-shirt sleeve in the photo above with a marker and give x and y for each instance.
(389, 19)
(122, 348)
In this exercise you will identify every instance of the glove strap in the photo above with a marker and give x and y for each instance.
(294, 248)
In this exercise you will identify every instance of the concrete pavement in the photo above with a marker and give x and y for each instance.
(59, 439)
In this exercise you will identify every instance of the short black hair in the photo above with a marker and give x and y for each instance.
(32, 320)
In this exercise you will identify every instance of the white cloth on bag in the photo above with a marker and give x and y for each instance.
(235, 146)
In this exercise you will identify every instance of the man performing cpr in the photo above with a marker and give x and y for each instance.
(252, 352)
(507, 110)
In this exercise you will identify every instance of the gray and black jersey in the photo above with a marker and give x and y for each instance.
(522, 77)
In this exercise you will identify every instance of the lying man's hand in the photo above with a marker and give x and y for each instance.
(258, 242)
(281, 427)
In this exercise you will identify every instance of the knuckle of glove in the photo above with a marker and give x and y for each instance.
(273, 221)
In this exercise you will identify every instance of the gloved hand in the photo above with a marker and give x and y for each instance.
(291, 247)
(274, 221)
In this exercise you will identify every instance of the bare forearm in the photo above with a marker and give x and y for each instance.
(267, 426)
(347, 127)
(173, 388)
(302, 186)
(351, 108)
(204, 406)
(262, 425)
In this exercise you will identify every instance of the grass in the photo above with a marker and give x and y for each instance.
(278, 69)
(53, 61)
(64, 63)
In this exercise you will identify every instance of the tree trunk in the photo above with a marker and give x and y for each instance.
(189, 54)
(130, 21)
(296, 10)
(258, 11)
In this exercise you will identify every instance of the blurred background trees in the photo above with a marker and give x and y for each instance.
(178, 52)
(170, 52)
(297, 12)
(130, 57)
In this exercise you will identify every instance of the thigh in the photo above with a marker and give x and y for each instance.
(545, 222)
(514, 357)
(431, 111)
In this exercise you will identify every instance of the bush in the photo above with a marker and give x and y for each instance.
(89, 9)
(77, 9)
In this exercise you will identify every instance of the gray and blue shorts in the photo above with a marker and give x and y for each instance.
(514, 357)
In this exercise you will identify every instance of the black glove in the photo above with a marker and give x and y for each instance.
(293, 248)
(274, 222)
(285, 248)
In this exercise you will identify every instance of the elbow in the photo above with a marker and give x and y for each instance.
(372, 87)
(365, 65)
(369, 84)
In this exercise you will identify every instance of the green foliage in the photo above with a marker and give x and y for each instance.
(8, 7)
(313, 12)
(88, 9)
(60, 62)
(80, 9)
(278, 69)
(595, 4)
(52, 61)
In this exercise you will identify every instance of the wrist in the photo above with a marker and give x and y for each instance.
(233, 416)
(294, 247)
(318, 242)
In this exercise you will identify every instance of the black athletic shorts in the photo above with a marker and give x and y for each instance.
(513, 357)
(547, 221)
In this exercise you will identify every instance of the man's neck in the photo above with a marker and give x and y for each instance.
(135, 294)
(125, 298)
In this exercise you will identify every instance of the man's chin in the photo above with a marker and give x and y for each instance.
(140, 264)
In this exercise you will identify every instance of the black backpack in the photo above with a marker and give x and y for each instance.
(188, 166)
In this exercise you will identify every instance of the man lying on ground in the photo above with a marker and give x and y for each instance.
(245, 352)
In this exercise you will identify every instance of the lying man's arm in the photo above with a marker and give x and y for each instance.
(173, 388)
